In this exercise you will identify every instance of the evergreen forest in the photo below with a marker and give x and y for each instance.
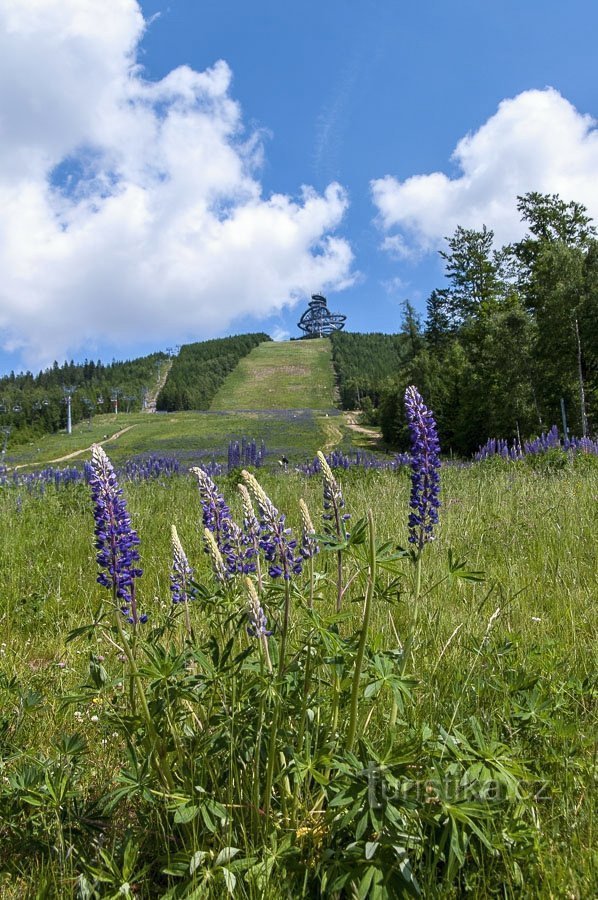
(508, 347)
(32, 405)
(199, 370)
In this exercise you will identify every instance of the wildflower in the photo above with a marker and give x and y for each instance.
(215, 512)
(309, 544)
(215, 555)
(258, 624)
(276, 541)
(116, 540)
(217, 518)
(181, 570)
(333, 501)
(425, 465)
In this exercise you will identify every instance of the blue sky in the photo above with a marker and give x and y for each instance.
(177, 170)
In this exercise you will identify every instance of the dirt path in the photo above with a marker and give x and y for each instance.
(333, 434)
(373, 433)
(150, 403)
(76, 453)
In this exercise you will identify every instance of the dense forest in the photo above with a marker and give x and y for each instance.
(32, 405)
(507, 345)
(367, 363)
(199, 370)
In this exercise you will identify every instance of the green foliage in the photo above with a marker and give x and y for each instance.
(365, 362)
(199, 370)
(474, 789)
(34, 405)
(514, 332)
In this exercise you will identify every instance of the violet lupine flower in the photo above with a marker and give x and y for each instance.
(215, 512)
(257, 622)
(257, 626)
(425, 465)
(230, 540)
(115, 539)
(181, 572)
(333, 516)
(276, 541)
(251, 530)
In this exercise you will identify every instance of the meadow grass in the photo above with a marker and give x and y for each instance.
(285, 375)
(504, 661)
(298, 433)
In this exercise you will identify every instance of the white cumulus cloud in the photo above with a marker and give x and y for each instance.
(132, 210)
(536, 141)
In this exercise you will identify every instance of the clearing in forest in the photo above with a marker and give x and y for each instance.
(281, 375)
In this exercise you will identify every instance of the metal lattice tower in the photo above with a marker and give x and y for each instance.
(318, 321)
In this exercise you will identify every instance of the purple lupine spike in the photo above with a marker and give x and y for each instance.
(115, 539)
(425, 477)
(234, 546)
(333, 517)
(252, 532)
(276, 541)
(215, 512)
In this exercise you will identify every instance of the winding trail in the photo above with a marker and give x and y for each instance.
(76, 453)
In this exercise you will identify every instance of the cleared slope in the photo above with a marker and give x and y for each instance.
(285, 375)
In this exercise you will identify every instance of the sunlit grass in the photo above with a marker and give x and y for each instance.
(515, 650)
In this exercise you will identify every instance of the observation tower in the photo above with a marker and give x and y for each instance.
(318, 321)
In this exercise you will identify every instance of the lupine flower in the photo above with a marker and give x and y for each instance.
(333, 501)
(215, 512)
(425, 478)
(236, 550)
(251, 527)
(309, 544)
(181, 570)
(258, 624)
(215, 555)
(276, 541)
(229, 538)
(115, 539)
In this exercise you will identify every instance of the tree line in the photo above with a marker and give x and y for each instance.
(200, 368)
(508, 347)
(32, 405)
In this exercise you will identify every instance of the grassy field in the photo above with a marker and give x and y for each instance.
(281, 394)
(499, 690)
(285, 375)
(298, 433)
(411, 727)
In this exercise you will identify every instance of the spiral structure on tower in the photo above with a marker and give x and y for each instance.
(318, 321)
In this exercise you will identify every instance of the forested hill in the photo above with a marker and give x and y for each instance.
(365, 364)
(32, 405)
(508, 342)
(199, 370)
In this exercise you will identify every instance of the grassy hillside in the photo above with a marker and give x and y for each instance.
(290, 375)
(281, 393)
(200, 368)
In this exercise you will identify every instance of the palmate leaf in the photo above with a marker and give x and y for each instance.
(458, 569)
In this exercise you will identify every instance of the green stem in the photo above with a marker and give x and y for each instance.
(285, 625)
(407, 652)
(153, 743)
(367, 609)
(339, 580)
